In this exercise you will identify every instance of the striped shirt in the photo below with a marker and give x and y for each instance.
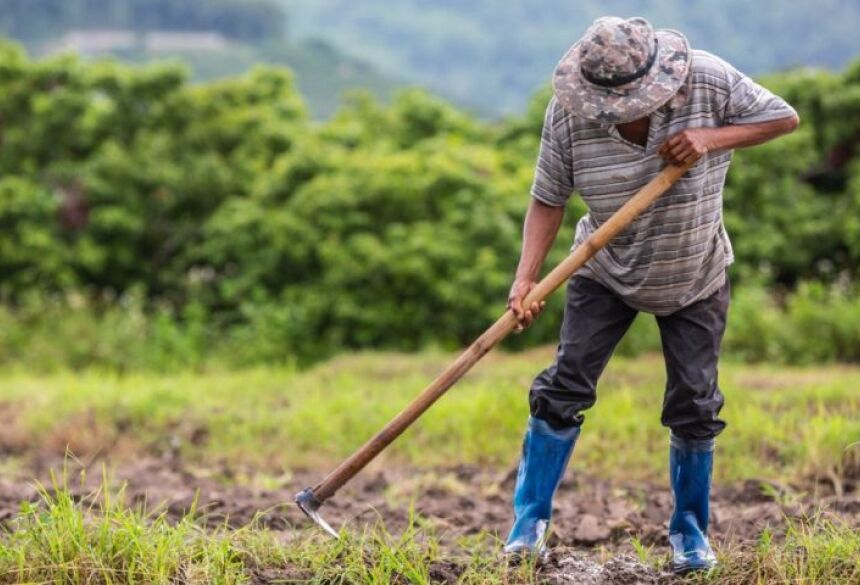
(676, 252)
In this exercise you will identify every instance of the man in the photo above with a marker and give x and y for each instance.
(629, 99)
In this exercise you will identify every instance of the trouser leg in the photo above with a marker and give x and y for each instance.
(691, 346)
(691, 341)
(595, 320)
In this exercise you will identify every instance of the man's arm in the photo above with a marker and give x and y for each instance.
(695, 142)
(749, 114)
(552, 186)
(539, 232)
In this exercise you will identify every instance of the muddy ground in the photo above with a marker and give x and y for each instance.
(594, 519)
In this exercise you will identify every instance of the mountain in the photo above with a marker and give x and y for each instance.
(489, 56)
(324, 74)
(216, 38)
(493, 54)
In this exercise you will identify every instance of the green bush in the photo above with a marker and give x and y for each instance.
(221, 215)
(817, 323)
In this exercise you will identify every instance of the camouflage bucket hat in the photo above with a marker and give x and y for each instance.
(621, 70)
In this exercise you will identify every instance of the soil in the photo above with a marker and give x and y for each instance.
(593, 519)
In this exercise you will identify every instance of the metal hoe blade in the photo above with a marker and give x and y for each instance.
(310, 505)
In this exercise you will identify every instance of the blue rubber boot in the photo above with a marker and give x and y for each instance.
(546, 452)
(690, 466)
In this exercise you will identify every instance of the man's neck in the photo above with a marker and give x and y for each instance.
(635, 131)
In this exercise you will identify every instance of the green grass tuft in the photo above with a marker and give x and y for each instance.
(74, 540)
(66, 538)
(818, 550)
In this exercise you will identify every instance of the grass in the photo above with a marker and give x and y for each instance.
(784, 423)
(820, 550)
(98, 539)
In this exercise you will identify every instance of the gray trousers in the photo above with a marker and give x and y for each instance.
(595, 320)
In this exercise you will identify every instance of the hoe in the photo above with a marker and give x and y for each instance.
(311, 499)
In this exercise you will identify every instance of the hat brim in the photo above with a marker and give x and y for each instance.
(633, 100)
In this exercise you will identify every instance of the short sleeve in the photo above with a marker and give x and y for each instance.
(553, 182)
(750, 103)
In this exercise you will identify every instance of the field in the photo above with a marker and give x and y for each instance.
(209, 298)
(188, 478)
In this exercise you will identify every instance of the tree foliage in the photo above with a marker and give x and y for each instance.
(386, 226)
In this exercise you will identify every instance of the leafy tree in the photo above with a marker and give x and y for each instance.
(389, 225)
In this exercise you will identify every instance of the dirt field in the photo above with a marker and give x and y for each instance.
(233, 448)
(595, 521)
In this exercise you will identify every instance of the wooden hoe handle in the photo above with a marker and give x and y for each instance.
(498, 331)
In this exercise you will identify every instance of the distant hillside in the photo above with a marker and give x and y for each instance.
(486, 55)
(323, 74)
(247, 20)
(216, 38)
(492, 54)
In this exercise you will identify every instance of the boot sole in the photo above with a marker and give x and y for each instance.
(525, 555)
(693, 568)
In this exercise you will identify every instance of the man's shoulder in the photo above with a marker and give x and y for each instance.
(560, 118)
(709, 68)
(557, 111)
(564, 121)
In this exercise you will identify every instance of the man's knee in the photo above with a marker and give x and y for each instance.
(692, 406)
(560, 399)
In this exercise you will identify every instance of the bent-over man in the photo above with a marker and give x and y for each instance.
(629, 99)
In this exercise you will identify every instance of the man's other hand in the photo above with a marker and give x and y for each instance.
(525, 315)
(687, 145)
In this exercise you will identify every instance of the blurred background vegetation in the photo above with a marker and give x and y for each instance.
(147, 221)
(491, 55)
(485, 55)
